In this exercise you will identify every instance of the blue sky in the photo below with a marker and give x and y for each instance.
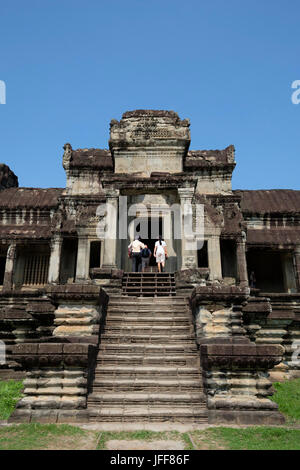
(71, 66)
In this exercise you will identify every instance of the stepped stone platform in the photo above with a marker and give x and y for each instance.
(148, 366)
(119, 358)
(149, 284)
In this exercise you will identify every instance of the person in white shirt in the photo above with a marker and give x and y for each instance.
(160, 253)
(134, 252)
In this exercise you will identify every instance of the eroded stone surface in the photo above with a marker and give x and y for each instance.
(123, 444)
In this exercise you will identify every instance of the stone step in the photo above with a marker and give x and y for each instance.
(149, 275)
(163, 311)
(133, 303)
(155, 309)
(142, 338)
(148, 364)
(189, 349)
(148, 281)
(142, 359)
(148, 313)
(183, 414)
(153, 329)
(158, 319)
(148, 287)
(151, 399)
(158, 288)
(120, 300)
(172, 385)
(130, 320)
(141, 294)
(147, 291)
(133, 372)
(147, 307)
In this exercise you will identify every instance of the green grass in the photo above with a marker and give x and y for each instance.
(64, 436)
(43, 436)
(287, 397)
(10, 393)
(254, 438)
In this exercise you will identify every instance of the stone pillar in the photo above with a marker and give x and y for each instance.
(111, 238)
(54, 263)
(288, 271)
(188, 257)
(10, 266)
(297, 266)
(241, 263)
(214, 257)
(83, 259)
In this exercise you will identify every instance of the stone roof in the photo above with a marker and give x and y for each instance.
(274, 236)
(92, 158)
(29, 197)
(151, 113)
(269, 201)
(209, 158)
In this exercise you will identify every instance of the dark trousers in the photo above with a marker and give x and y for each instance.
(145, 262)
(136, 262)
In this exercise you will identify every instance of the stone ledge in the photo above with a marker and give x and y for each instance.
(240, 356)
(40, 307)
(259, 306)
(245, 417)
(78, 291)
(220, 292)
(49, 416)
(23, 293)
(106, 273)
(54, 354)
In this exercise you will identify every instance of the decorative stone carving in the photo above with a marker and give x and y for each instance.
(149, 141)
(67, 156)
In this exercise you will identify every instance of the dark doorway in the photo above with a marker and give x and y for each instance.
(228, 258)
(68, 260)
(203, 256)
(267, 268)
(2, 269)
(95, 252)
(154, 224)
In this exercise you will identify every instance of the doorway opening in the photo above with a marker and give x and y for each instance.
(272, 269)
(68, 260)
(154, 228)
(95, 254)
(3, 253)
(228, 258)
(202, 256)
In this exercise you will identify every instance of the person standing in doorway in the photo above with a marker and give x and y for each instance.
(252, 279)
(160, 253)
(146, 255)
(134, 252)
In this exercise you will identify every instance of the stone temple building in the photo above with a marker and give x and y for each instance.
(200, 342)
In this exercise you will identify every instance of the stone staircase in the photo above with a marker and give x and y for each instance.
(149, 284)
(148, 367)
